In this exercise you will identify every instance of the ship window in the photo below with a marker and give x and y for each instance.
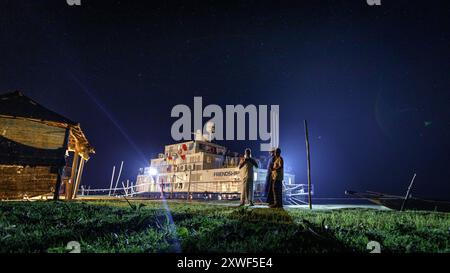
(195, 177)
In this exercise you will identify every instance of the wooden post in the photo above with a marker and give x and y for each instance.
(78, 181)
(70, 183)
(61, 168)
(308, 162)
(408, 192)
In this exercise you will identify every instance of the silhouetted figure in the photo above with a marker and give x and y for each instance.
(268, 189)
(277, 180)
(246, 166)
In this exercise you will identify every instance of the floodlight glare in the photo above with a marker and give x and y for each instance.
(153, 171)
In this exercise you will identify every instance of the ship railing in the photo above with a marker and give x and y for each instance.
(131, 190)
(292, 192)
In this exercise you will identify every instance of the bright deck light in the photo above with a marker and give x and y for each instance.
(153, 171)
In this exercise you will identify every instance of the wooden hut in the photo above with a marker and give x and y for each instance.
(39, 150)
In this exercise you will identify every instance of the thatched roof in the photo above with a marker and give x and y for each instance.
(17, 105)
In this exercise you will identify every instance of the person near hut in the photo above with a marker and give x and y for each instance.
(246, 165)
(277, 180)
(268, 188)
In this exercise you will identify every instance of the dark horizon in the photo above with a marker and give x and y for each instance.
(372, 81)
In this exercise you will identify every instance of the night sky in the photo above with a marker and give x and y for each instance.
(372, 81)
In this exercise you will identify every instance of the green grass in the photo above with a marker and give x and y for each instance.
(200, 228)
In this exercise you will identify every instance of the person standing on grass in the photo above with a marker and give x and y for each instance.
(268, 189)
(277, 180)
(246, 166)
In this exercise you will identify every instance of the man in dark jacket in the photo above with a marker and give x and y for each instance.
(277, 180)
(268, 190)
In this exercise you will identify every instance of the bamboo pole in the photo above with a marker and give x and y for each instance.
(69, 184)
(118, 177)
(78, 181)
(125, 190)
(61, 168)
(408, 192)
(112, 180)
(308, 162)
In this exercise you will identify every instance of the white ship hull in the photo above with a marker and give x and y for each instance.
(196, 169)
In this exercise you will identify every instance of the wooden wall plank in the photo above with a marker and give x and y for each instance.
(31, 133)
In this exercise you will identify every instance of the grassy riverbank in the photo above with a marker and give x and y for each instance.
(194, 227)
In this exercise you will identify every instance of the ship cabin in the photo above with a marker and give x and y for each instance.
(198, 169)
